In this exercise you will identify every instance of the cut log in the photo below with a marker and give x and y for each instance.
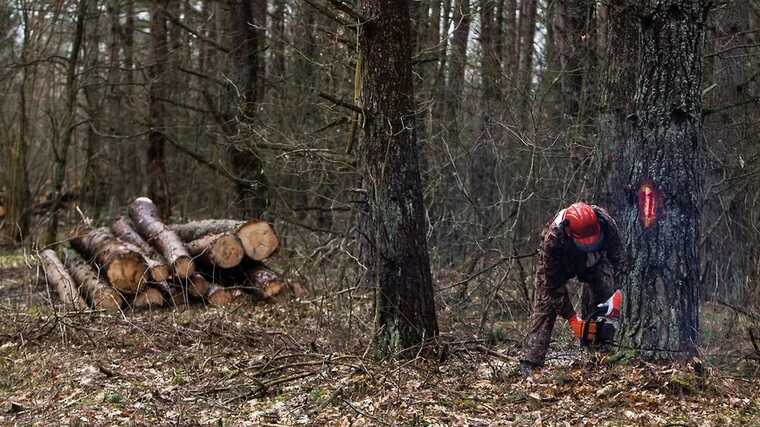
(196, 285)
(148, 223)
(122, 263)
(221, 296)
(159, 270)
(263, 280)
(57, 275)
(258, 238)
(148, 298)
(223, 250)
(252, 277)
(99, 293)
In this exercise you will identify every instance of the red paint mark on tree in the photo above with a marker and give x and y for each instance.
(647, 204)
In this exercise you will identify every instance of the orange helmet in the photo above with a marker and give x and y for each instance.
(583, 226)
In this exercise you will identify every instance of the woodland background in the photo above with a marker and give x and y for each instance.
(108, 100)
(239, 109)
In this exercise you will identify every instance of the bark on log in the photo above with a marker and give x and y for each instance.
(149, 298)
(148, 223)
(252, 277)
(122, 263)
(221, 296)
(223, 250)
(196, 285)
(57, 275)
(159, 270)
(258, 238)
(99, 293)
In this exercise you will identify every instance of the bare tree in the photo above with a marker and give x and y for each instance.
(404, 307)
(664, 160)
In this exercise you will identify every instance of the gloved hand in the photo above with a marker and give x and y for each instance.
(576, 325)
(612, 306)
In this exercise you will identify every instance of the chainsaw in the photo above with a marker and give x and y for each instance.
(599, 328)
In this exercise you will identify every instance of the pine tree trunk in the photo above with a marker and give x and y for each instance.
(664, 162)
(404, 307)
(148, 223)
(67, 134)
(245, 163)
(158, 180)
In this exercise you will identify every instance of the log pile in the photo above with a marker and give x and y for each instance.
(143, 262)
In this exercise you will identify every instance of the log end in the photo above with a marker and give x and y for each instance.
(197, 286)
(184, 267)
(109, 300)
(127, 273)
(227, 251)
(160, 272)
(219, 296)
(258, 239)
(149, 298)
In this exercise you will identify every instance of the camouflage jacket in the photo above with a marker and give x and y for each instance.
(559, 260)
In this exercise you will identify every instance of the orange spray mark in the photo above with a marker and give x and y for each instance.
(647, 204)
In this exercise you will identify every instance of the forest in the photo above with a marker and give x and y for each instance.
(351, 201)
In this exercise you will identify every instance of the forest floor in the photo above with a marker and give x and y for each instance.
(303, 363)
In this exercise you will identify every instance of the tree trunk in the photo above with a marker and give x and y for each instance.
(223, 250)
(277, 40)
(483, 171)
(61, 151)
(664, 160)
(458, 62)
(100, 294)
(57, 275)
(19, 196)
(245, 163)
(616, 105)
(260, 24)
(159, 270)
(404, 307)
(122, 263)
(158, 180)
(730, 108)
(257, 237)
(148, 223)
(526, 34)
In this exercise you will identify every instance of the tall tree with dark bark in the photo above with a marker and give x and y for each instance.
(158, 180)
(404, 306)
(61, 149)
(663, 159)
(245, 162)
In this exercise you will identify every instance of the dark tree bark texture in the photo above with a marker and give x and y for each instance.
(246, 165)
(404, 307)
(663, 159)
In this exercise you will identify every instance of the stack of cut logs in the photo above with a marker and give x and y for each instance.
(143, 262)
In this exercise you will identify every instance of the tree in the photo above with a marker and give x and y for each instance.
(68, 123)
(245, 162)
(663, 159)
(404, 306)
(158, 180)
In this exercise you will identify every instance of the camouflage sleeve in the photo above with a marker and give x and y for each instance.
(613, 240)
(550, 254)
